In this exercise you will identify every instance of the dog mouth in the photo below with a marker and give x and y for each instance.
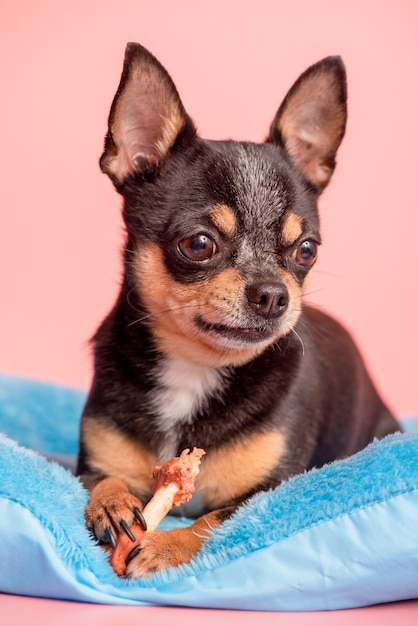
(236, 334)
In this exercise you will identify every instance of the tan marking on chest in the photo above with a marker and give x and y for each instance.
(115, 454)
(292, 229)
(223, 218)
(232, 471)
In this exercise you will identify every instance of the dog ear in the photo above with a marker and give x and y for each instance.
(310, 123)
(145, 119)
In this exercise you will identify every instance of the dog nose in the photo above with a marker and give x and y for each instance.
(268, 299)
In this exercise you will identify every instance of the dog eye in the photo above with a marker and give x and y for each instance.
(306, 253)
(197, 248)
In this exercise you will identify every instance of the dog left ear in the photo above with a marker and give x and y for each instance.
(145, 120)
(310, 123)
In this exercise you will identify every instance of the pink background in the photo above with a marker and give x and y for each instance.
(17, 611)
(233, 61)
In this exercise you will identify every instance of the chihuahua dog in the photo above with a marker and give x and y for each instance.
(209, 343)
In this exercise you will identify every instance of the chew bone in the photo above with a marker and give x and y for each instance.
(172, 485)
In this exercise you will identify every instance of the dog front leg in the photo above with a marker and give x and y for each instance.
(161, 549)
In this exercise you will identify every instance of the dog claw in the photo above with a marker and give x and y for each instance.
(110, 538)
(133, 554)
(124, 526)
(141, 519)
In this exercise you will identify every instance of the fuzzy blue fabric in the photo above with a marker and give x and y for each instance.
(340, 537)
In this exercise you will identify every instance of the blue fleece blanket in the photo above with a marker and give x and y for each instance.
(339, 537)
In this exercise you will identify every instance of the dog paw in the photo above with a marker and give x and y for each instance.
(110, 512)
(160, 550)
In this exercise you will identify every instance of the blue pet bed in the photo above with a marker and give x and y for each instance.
(339, 537)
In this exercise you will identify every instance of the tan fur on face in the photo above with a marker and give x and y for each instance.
(113, 453)
(233, 471)
(174, 306)
(224, 219)
(292, 229)
(295, 299)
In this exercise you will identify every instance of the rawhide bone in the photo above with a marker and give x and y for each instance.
(172, 485)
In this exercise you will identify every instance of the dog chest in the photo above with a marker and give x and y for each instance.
(183, 389)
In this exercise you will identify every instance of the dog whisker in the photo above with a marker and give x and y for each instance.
(161, 314)
(203, 536)
(211, 528)
(300, 339)
(313, 291)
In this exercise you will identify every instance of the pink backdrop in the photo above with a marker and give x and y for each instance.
(233, 61)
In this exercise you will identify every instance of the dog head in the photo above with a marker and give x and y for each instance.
(220, 234)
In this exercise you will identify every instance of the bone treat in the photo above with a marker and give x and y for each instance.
(172, 485)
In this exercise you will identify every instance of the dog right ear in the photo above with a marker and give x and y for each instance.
(310, 123)
(145, 120)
